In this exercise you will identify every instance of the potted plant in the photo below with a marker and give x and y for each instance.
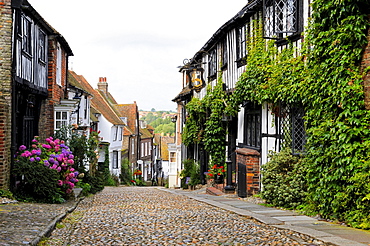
(217, 173)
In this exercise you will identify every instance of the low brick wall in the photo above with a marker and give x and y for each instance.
(251, 159)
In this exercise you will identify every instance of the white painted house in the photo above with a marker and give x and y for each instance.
(106, 122)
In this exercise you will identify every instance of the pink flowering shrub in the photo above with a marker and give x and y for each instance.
(45, 168)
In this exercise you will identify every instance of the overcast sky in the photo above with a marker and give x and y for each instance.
(136, 45)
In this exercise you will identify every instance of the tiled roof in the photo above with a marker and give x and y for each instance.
(184, 92)
(27, 7)
(131, 112)
(163, 141)
(145, 133)
(99, 100)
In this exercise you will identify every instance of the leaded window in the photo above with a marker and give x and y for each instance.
(291, 128)
(281, 18)
(252, 125)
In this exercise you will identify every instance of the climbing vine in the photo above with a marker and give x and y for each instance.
(338, 131)
(196, 115)
(325, 77)
(204, 124)
(215, 128)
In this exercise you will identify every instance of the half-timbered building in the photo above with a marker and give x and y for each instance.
(258, 128)
(34, 78)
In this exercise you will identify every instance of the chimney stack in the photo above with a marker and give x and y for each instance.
(103, 85)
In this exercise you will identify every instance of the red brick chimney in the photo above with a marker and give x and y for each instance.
(103, 85)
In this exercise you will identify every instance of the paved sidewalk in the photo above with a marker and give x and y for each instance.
(27, 223)
(325, 231)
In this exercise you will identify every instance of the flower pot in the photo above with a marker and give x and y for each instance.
(77, 192)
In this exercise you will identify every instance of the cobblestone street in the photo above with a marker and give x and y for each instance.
(149, 216)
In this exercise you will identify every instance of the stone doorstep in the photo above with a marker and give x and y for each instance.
(214, 191)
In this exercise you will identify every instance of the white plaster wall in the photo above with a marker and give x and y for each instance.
(240, 126)
(104, 126)
(165, 168)
(268, 128)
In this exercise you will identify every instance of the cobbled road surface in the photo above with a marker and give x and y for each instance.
(150, 216)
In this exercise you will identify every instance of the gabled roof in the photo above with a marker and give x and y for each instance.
(145, 133)
(240, 18)
(109, 97)
(131, 112)
(27, 8)
(99, 101)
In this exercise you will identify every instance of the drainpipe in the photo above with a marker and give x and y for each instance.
(13, 95)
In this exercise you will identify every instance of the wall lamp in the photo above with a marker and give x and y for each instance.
(173, 118)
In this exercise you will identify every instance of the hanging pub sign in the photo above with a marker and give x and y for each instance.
(196, 78)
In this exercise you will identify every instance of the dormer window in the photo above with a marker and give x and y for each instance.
(282, 18)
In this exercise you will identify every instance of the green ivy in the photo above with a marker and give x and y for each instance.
(326, 78)
(337, 121)
(215, 129)
(193, 130)
(204, 122)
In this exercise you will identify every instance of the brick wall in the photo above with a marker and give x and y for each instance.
(55, 92)
(6, 23)
(366, 63)
(250, 158)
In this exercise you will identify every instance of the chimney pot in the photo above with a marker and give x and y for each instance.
(103, 85)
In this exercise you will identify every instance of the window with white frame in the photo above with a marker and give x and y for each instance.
(132, 146)
(142, 150)
(115, 133)
(120, 133)
(145, 149)
(282, 18)
(61, 119)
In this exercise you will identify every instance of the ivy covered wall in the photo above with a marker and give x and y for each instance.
(328, 80)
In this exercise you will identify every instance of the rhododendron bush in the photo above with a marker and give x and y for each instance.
(44, 171)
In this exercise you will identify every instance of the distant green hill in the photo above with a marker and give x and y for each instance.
(159, 120)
